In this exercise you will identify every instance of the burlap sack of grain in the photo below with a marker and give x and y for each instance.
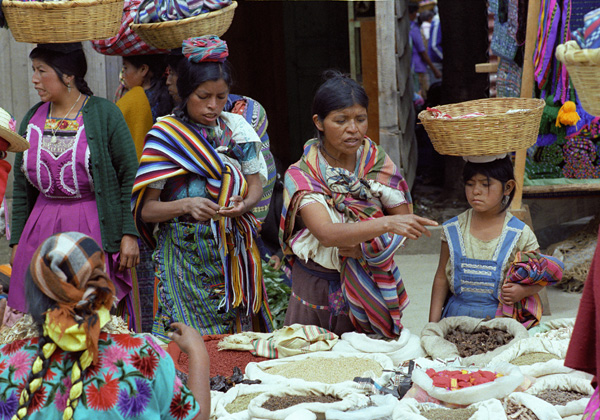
(406, 347)
(339, 370)
(409, 409)
(565, 382)
(237, 392)
(499, 388)
(540, 408)
(382, 408)
(537, 345)
(436, 346)
(350, 400)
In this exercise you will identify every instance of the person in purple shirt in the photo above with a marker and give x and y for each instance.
(420, 58)
(435, 47)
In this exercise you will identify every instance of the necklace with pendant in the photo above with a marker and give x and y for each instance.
(53, 139)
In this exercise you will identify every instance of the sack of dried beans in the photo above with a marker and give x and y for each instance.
(464, 386)
(555, 329)
(233, 405)
(411, 409)
(316, 398)
(476, 341)
(521, 406)
(536, 357)
(567, 393)
(333, 368)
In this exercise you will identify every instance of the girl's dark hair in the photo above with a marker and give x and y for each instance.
(158, 93)
(191, 75)
(338, 91)
(499, 169)
(69, 64)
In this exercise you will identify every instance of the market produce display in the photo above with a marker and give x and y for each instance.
(240, 403)
(560, 397)
(519, 411)
(448, 414)
(279, 403)
(533, 357)
(457, 379)
(478, 342)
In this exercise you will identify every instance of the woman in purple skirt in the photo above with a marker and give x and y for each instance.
(77, 174)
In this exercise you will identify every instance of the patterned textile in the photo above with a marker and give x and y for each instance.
(173, 148)
(592, 410)
(345, 193)
(166, 10)
(69, 269)
(208, 48)
(256, 116)
(504, 43)
(580, 155)
(530, 268)
(134, 378)
(126, 42)
(508, 80)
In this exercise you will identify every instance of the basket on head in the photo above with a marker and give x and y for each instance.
(62, 21)
(508, 124)
(169, 35)
(583, 66)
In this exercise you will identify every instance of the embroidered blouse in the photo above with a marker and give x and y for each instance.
(134, 378)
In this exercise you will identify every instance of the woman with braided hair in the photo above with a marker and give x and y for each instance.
(68, 355)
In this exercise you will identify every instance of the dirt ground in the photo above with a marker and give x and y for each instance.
(431, 201)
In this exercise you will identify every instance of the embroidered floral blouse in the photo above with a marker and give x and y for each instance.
(134, 378)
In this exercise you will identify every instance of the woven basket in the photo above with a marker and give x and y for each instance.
(62, 21)
(169, 35)
(496, 132)
(583, 67)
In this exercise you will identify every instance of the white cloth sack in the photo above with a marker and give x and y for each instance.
(350, 400)
(542, 409)
(215, 396)
(256, 371)
(382, 409)
(541, 345)
(408, 409)
(221, 412)
(499, 388)
(436, 346)
(406, 347)
(566, 383)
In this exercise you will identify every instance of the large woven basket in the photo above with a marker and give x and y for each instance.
(62, 21)
(169, 35)
(496, 132)
(583, 67)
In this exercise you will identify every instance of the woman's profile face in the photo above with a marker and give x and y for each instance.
(206, 103)
(46, 81)
(172, 83)
(133, 76)
(344, 129)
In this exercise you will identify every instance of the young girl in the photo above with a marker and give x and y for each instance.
(479, 245)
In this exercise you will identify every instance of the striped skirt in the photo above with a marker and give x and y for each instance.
(190, 280)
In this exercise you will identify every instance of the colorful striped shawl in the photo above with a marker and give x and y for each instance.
(530, 268)
(174, 147)
(372, 285)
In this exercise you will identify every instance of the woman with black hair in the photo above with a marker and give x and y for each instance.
(346, 211)
(474, 275)
(77, 174)
(201, 174)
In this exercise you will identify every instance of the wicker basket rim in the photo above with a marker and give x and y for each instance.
(539, 104)
(185, 21)
(65, 4)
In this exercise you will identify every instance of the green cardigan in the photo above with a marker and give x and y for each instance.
(113, 165)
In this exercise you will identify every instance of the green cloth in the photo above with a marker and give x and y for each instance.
(113, 165)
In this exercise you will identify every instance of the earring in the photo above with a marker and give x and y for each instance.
(505, 200)
(69, 87)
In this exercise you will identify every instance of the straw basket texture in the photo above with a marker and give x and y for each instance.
(495, 132)
(62, 21)
(169, 35)
(583, 67)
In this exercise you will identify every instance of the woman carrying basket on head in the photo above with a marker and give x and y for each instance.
(200, 176)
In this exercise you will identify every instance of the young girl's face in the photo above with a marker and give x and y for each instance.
(485, 194)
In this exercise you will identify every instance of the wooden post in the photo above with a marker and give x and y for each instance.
(533, 13)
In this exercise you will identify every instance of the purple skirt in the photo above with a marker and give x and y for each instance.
(48, 217)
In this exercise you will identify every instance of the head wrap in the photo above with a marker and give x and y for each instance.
(208, 48)
(69, 268)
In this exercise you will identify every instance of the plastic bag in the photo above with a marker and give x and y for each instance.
(436, 346)
(499, 388)
(540, 408)
(537, 345)
(256, 370)
(350, 400)
(565, 383)
(406, 347)
(382, 409)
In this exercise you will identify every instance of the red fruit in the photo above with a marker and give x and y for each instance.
(441, 382)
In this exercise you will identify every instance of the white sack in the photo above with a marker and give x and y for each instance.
(542, 409)
(566, 383)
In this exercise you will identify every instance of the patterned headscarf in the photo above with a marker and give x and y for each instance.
(208, 48)
(69, 268)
